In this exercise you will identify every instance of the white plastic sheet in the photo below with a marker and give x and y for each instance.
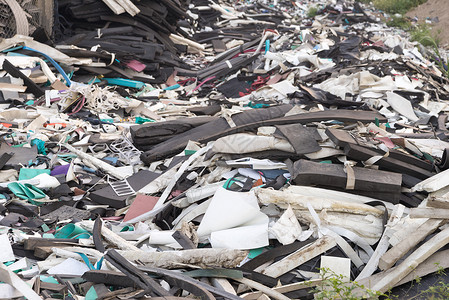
(234, 220)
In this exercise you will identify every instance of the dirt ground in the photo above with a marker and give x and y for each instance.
(431, 9)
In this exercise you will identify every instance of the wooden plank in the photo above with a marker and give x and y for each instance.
(430, 265)
(412, 261)
(253, 296)
(438, 202)
(10, 87)
(434, 183)
(264, 289)
(265, 259)
(114, 6)
(383, 244)
(224, 284)
(431, 213)
(299, 257)
(183, 240)
(181, 40)
(403, 247)
(292, 287)
(439, 199)
(129, 7)
(111, 237)
(298, 285)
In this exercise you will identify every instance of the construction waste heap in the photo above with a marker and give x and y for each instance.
(219, 150)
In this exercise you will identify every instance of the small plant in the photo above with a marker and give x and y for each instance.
(399, 22)
(439, 290)
(336, 286)
(440, 270)
(397, 6)
(312, 12)
(422, 35)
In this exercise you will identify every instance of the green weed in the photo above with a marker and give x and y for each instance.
(336, 286)
(423, 35)
(438, 291)
(312, 12)
(399, 22)
(397, 6)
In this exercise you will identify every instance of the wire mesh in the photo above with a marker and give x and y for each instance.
(39, 14)
(7, 21)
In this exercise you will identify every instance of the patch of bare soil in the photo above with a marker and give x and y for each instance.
(432, 9)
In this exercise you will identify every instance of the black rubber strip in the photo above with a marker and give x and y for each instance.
(141, 279)
(31, 86)
(385, 215)
(96, 234)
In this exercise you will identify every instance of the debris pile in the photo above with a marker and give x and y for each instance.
(219, 150)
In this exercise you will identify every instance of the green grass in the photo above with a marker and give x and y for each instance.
(312, 12)
(335, 286)
(437, 291)
(423, 35)
(395, 6)
(399, 22)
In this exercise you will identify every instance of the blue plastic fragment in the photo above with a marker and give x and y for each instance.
(91, 294)
(55, 64)
(125, 82)
(172, 87)
(40, 146)
(89, 265)
(87, 169)
(110, 159)
(12, 49)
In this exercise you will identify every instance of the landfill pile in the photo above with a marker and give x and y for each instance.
(219, 150)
